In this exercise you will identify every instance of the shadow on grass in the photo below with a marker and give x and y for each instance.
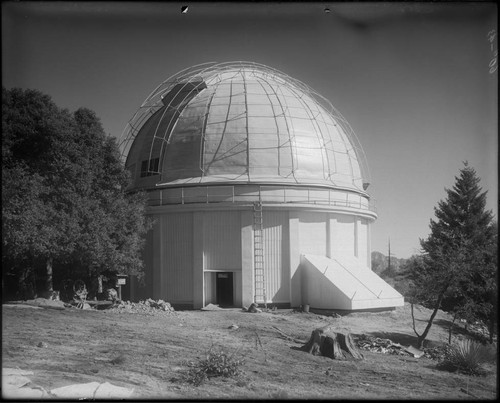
(445, 324)
(460, 330)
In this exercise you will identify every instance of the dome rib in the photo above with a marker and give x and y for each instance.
(292, 172)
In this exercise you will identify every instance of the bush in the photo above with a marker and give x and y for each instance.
(216, 363)
(467, 356)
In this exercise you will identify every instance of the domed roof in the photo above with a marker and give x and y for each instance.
(240, 122)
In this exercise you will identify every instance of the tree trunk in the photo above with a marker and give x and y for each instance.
(450, 330)
(421, 338)
(491, 326)
(48, 284)
(325, 342)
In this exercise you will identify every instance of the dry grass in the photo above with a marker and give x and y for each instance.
(156, 352)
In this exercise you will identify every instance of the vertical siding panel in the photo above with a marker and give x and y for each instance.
(177, 257)
(146, 291)
(209, 288)
(222, 240)
(363, 242)
(277, 273)
(237, 288)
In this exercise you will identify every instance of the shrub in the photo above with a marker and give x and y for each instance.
(466, 356)
(216, 363)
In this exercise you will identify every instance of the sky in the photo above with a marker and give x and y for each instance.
(418, 82)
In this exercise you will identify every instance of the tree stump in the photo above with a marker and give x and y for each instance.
(327, 343)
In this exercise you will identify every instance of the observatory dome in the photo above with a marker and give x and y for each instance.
(256, 187)
(241, 123)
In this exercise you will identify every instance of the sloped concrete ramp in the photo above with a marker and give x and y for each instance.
(344, 283)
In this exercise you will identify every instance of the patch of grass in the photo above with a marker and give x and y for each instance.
(466, 356)
(120, 359)
(217, 363)
(279, 395)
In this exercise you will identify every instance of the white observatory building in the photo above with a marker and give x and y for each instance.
(257, 187)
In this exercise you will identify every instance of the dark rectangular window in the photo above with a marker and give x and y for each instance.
(150, 167)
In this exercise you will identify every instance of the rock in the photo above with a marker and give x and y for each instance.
(42, 344)
(415, 352)
(111, 294)
(19, 305)
(14, 381)
(211, 307)
(77, 391)
(15, 371)
(45, 303)
(15, 385)
(254, 308)
(109, 391)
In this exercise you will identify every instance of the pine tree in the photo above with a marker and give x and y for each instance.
(458, 266)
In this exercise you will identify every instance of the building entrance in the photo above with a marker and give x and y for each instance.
(224, 289)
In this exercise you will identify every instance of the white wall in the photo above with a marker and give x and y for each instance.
(209, 279)
(342, 235)
(363, 253)
(276, 256)
(312, 233)
(222, 240)
(176, 258)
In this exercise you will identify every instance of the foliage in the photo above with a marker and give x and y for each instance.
(380, 265)
(216, 363)
(64, 202)
(458, 269)
(466, 356)
(403, 280)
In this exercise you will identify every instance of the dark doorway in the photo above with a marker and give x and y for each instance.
(224, 289)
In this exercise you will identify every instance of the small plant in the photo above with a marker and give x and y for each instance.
(466, 356)
(216, 363)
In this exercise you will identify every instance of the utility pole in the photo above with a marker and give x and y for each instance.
(389, 256)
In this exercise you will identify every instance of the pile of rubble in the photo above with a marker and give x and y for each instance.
(148, 306)
(378, 345)
(479, 330)
(437, 353)
(387, 346)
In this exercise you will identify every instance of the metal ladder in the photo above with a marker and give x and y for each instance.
(258, 249)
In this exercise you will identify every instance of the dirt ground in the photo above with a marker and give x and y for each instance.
(151, 353)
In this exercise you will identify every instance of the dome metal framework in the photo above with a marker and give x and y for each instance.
(243, 122)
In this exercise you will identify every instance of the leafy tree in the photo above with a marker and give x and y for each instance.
(457, 268)
(36, 211)
(64, 200)
(403, 279)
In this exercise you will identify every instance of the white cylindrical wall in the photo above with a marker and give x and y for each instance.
(312, 233)
(276, 256)
(185, 249)
(222, 240)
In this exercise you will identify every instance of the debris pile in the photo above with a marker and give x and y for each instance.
(378, 345)
(212, 307)
(437, 353)
(253, 308)
(479, 329)
(147, 306)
